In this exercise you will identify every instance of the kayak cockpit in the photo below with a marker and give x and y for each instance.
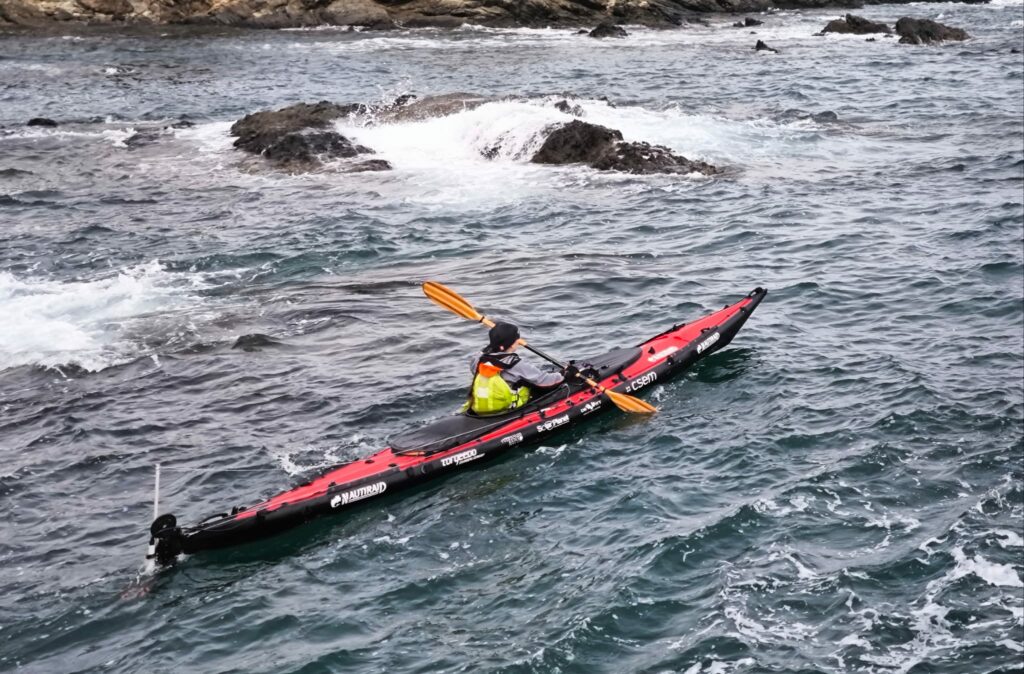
(457, 429)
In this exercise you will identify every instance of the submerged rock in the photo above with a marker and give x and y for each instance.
(41, 121)
(926, 31)
(747, 23)
(369, 165)
(761, 46)
(856, 25)
(608, 29)
(604, 149)
(254, 341)
(144, 137)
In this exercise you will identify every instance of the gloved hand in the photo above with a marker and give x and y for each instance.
(570, 372)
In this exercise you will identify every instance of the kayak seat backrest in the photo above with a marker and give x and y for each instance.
(455, 430)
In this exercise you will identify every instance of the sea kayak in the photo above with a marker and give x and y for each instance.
(459, 441)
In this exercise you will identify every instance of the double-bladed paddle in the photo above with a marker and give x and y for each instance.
(455, 303)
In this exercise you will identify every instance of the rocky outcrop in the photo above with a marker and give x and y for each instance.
(761, 46)
(747, 23)
(41, 121)
(299, 137)
(410, 108)
(642, 157)
(608, 29)
(926, 31)
(383, 14)
(604, 149)
(856, 25)
(259, 131)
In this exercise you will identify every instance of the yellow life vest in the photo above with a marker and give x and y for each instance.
(491, 394)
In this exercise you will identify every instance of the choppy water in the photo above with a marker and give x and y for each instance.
(840, 490)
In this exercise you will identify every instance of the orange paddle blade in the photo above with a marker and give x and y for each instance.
(450, 300)
(628, 403)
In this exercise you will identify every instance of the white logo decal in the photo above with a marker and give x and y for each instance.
(553, 423)
(590, 407)
(460, 458)
(513, 439)
(358, 494)
(638, 384)
(661, 354)
(707, 342)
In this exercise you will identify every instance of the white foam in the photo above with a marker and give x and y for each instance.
(92, 324)
(213, 137)
(991, 572)
(1008, 539)
(321, 458)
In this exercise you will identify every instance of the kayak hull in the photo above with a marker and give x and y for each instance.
(458, 442)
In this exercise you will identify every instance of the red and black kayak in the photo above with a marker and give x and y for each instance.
(453, 443)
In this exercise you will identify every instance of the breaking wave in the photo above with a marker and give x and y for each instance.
(95, 324)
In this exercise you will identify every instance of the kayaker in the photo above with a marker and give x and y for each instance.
(501, 380)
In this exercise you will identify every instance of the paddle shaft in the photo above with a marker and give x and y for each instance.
(452, 301)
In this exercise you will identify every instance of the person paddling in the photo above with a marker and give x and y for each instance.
(501, 380)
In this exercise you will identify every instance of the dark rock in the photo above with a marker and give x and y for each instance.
(602, 148)
(574, 110)
(608, 29)
(1014, 50)
(145, 137)
(644, 158)
(582, 31)
(871, 39)
(254, 341)
(856, 25)
(404, 99)
(41, 121)
(258, 131)
(926, 31)
(761, 46)
(576, 143)
(369, 165)
(795, 114)
(182, 124)
(310, 147)
(748, 23)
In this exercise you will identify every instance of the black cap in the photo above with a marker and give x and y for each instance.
(502, 336)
